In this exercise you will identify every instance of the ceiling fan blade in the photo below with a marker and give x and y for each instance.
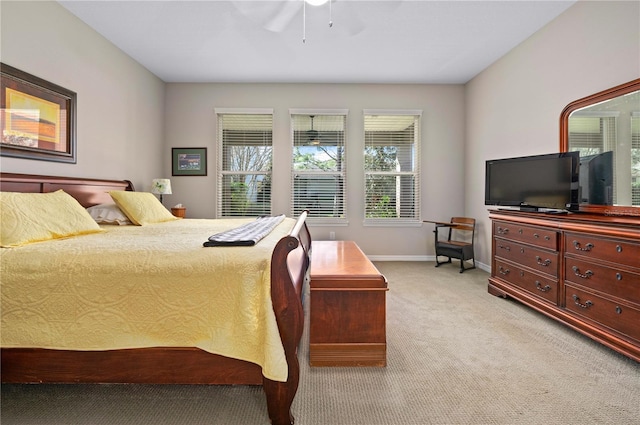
(273, 16)
(283, 18)
(344, 15)
(348, 14)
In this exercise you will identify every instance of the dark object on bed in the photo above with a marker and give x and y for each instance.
(246, 235)
(174, 365)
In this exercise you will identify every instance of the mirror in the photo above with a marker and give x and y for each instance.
(605, 128)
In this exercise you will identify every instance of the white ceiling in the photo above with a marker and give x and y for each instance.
(393, 41)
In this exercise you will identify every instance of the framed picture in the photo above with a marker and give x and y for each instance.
(38, 118)
(189, 161)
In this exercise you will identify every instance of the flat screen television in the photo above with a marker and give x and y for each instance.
(549, 182)
(596, 179)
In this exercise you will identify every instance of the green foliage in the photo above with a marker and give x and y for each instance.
(238, 201)
(380, 158)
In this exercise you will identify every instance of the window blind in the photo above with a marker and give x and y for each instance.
(318, 166)
(592, 134)
(392, 167)
(245, 143)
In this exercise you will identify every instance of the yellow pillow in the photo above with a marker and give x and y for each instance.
(34, 217)
(141, 207)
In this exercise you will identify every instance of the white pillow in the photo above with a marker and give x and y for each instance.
(108, 214)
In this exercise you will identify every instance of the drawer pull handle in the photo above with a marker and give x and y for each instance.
(503, 230)
(506, 248)
(586, 274)
(503, 271)
(618, 276)
(535, 235)
(587, 247)
(539, 287)
(618, 309)
(576, 300)
(547, 238)
(520, 231)
(545, 263)
(618, 248)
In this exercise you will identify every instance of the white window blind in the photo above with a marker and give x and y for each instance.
(392, 167)
(594, 132)
(318, 166)
(244, 164)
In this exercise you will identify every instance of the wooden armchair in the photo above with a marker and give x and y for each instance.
(459, 241)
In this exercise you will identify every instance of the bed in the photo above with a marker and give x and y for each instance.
(191, 360)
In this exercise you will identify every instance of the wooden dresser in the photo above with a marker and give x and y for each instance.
(347, 313)
(580, 269)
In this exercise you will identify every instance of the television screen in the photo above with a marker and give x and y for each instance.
(547, 181)
(596, 179)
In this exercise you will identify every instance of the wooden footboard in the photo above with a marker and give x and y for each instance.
(174, 365)
(289, 270)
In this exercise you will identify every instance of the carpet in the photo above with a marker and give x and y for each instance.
(456, 355)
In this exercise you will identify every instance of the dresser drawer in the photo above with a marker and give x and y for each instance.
(538, 285)
(538, 259)
(528, 234)
(616, 282)
(615, 251)
(621, 318)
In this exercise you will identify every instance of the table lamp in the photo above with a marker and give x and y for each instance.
(161, 187)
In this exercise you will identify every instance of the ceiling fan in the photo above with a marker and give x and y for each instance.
(277, 15)
(313, 137)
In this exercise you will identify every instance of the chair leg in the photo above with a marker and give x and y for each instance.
(439, 263)
(462, 269)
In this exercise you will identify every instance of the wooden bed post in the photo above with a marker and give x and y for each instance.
(285, 296)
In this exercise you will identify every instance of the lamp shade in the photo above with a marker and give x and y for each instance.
(161, 187)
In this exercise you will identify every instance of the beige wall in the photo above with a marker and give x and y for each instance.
(191, 122)
(120, 103)
(510, 109)
(513, 107)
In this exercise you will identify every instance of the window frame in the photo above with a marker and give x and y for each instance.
(221, 173)
(415, 220)
(330, 221)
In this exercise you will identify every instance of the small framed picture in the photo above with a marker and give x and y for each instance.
(38, 118)
(189, 161)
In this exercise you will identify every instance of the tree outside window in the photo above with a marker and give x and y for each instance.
(245, 164)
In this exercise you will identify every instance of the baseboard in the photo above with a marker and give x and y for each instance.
(479, 265)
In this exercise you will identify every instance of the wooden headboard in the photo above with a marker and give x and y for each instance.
(88, 192)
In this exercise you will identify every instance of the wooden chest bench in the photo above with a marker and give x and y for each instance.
(347, 307)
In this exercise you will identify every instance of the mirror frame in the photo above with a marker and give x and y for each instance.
(622, 89)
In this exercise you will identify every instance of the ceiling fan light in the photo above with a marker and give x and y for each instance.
(313, 137)
(316, 2)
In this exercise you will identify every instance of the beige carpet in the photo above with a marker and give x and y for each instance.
(456, 355)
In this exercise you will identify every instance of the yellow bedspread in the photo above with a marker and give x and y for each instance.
(149, 286)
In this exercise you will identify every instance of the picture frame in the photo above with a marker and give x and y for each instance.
(38, 118)
(189, 161)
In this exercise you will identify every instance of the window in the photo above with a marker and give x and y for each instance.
(318, 166)
(392, 166)
(244, 162)
(594, 132)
